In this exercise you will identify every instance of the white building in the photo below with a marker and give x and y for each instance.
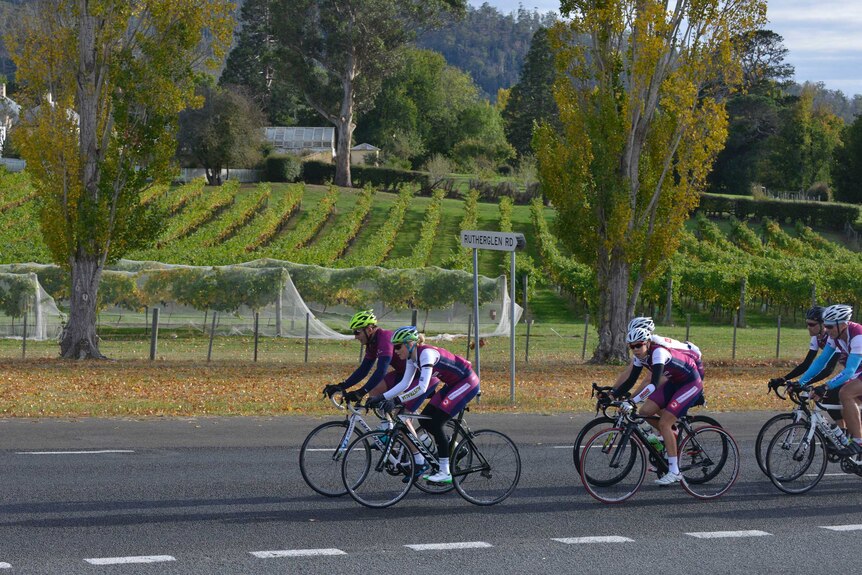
(9, 113)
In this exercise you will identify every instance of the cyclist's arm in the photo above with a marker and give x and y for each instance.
(409, 372)
(645, 390)
(360, 373)
(853, 361)
(624, 385)
(818, 365)
(379, 373)
(800, 369)
(427, 360)
(827, 371)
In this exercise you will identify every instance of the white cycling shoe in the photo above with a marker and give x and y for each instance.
(668, 479)
(439, 477)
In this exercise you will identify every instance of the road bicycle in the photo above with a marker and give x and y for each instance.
(605, 421)
(798, 454)
(485, 464)
(614, 461)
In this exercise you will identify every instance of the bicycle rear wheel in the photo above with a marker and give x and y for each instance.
(794, 464)
(320, 458)
(765, 435)
(486, 467)
(373, 476)
(709, 462)
(613, 465)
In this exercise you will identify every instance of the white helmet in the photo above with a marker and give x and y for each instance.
(638, 334)
(837, 313)
(645, 322)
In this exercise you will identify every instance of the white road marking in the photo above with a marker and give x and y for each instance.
(563, 447)
(445, 546)
(296, 553)
(595, 539)
(322, 449)
(91, 452)
(720, 534)
(5, 566)
(842, 527)
(127, 560)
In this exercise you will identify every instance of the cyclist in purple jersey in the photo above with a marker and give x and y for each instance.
(845, 337)
(378, 348)
(819, 337)
(675, 385)
(460, 385)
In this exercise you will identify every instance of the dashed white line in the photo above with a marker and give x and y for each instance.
(595, 539)
(90, 452)
(5, 566)
(721, 534)
(563, 447)
(842, 527)
(128, 560)
(297, 553)
(446, 546)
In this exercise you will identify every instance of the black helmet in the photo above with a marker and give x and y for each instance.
(815, 314)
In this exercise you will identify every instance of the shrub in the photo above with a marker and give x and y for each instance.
(282, 168)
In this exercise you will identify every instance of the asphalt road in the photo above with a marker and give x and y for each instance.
(224, 495)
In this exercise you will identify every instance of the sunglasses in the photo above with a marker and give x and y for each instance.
(397, 346)
(637, 345)
(829, 326)
(357, 331)
(812, 323)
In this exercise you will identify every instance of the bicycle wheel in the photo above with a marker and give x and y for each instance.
(320, 458)
(793, 463)
(586, 432)
(452, 433)
(709, 462)
(373, 476)
(613, 465)
(765, 435)
(486, 467)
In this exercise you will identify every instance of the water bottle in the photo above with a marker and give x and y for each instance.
(426, 440)
(656, 441)
(839, 436)
(385, 425)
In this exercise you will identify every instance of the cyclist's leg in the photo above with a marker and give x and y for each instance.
(683, 397)
(832, 403)
(450, 401)
(848, 395)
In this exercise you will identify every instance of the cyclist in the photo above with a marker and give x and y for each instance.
(675, 385)
(460, 385)
(378, 348)
(845, 337)
(819, 337)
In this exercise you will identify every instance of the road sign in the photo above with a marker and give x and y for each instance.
(500, 241)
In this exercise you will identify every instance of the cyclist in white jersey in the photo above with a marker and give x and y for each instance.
(845, 337)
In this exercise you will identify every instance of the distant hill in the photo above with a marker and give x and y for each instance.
(488, 45)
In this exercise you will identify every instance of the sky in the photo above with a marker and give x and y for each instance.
(824, 37)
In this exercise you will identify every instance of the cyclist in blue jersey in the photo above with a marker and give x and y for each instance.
(819, 337)
(845, 338)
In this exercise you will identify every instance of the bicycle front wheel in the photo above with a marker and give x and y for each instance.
(709, 462)
(320, 458)
(795, 464)
(374, 471)
(765, 435)
(613, 465)
(585, 433)
(486, 467)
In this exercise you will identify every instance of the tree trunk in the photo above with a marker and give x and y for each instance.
(79, 340)
(342, 153)
(613, 276)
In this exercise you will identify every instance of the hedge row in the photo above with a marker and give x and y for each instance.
(813, 214)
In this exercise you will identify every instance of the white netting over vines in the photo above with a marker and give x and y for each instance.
(286, 295)
(26, 307)
(443, 299)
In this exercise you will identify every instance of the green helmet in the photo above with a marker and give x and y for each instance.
(363, 319)
(405, 334)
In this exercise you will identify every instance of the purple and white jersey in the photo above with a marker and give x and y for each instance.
(432, 362)
(848, 342)
(818, 341)
(680, 366)
(381, 345)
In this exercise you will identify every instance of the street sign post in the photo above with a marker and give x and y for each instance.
(498, 241)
